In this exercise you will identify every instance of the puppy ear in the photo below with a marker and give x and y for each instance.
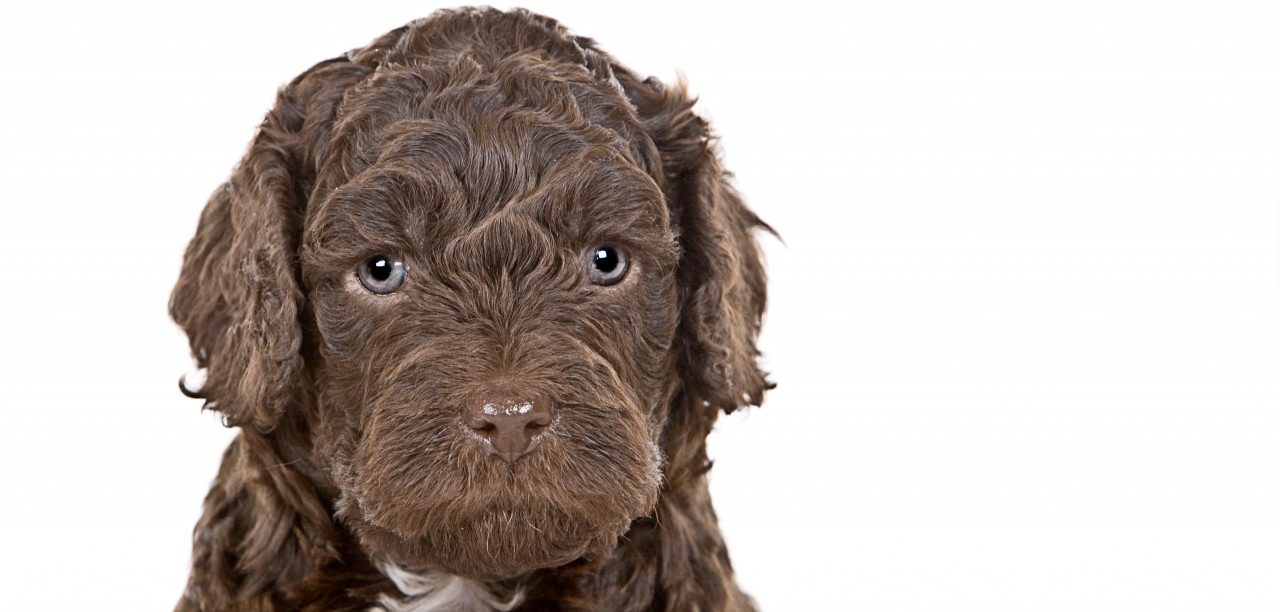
(238, 295)
(721, 274)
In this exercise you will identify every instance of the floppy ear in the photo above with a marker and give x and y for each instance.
(238, 295)
(721, 274)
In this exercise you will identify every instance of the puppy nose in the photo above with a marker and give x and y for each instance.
(509, 422)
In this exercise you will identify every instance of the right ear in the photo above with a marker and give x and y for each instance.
(238, 295)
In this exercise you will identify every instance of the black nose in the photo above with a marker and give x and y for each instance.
(509, 423)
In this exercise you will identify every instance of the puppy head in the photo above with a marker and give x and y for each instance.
(480, 274)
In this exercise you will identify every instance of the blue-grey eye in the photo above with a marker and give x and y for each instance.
(381, 274)
(606, 265)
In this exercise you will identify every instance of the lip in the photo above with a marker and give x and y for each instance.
(416, 551)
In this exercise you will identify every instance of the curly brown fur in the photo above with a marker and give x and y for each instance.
(489, 150)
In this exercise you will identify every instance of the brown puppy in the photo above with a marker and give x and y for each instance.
(474, 295)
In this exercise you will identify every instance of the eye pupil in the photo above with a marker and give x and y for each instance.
(380, 268)
(605, 259)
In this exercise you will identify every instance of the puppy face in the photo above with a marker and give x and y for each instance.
(495, 229)
(493, 283)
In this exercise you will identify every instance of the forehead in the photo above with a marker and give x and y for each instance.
(442, 149)
(496, 119)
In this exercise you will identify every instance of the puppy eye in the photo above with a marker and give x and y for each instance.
(606, 265)
(381, 274)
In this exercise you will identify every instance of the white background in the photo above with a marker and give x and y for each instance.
(1026, 322)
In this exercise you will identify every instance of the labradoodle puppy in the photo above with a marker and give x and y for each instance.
(474, 297)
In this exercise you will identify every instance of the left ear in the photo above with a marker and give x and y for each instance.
(720, 271)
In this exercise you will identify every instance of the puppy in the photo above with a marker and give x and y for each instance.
(474, 297)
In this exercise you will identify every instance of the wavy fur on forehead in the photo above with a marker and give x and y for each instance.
(490, 149)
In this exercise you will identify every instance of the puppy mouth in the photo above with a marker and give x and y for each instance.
(428, 554)
(496, 543)
(490, 519)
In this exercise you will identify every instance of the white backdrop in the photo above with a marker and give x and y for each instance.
(1026, 321)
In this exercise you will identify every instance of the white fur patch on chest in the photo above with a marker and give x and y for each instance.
(439, 592)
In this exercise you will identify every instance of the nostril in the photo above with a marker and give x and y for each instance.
(479, 424)
(511, 425)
